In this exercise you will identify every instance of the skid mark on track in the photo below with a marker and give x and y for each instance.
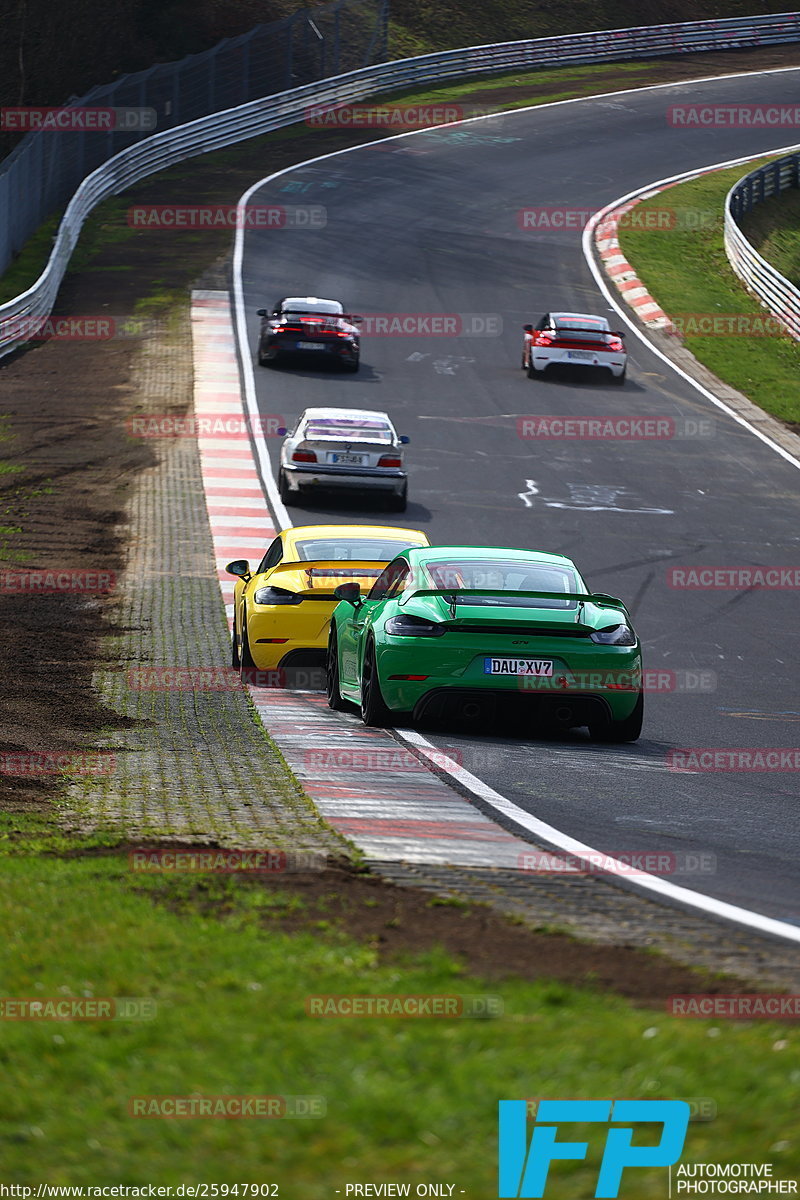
(588, 497)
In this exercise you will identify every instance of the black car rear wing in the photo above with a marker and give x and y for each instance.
(582, 329)
(460, 595)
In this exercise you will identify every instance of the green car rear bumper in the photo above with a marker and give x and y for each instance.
(584, 681)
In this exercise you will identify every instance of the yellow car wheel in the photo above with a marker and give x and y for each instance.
(246, 659)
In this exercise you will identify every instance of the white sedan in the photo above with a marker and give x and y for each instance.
(344, 448)
(575, 339)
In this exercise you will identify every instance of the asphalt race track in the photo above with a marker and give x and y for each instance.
(429, 225)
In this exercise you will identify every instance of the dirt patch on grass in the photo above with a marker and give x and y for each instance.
(401, 923)
(63, 473)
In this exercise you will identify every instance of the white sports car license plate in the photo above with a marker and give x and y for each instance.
(583, 354)
(350, 460)
(518, 666)
(311, 346)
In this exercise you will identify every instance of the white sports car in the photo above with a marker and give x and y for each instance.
(577, 339)
(350, 448)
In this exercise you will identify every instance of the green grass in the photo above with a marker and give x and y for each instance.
(465, 88)
(774, 229)
(107, 226)
(30, 262)
(687, 271)
(406, 1099)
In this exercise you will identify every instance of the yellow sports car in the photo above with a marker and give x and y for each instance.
(281, 610)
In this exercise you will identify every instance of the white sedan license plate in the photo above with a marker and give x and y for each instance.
(311, 346)
(350, 460)
(583, 354)
(518, 666)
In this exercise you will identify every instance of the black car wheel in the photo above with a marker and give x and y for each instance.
(532, 372)
(246, 662)
(399, 503)
(335, 700)
(373, 708)
(627, 730)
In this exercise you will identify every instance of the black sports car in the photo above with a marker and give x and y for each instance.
(308, 325)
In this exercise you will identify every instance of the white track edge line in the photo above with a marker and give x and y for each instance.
(570, 845)
(587, 241)
(683, 895)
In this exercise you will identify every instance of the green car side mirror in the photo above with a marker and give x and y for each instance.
(351, 592)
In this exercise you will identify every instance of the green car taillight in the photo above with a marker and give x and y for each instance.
(614, 635)
(408, 626)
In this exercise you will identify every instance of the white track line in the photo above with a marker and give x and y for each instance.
(569, 845)
(599, 278)
(548, 833)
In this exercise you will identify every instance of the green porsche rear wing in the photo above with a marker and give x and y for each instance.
(598, 598)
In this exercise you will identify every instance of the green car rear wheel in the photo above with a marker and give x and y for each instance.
(627, 730)
(335, 700)
(373, 708)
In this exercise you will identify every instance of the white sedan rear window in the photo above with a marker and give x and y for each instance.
(370, 431)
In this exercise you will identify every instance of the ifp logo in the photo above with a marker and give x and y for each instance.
(524, 1169)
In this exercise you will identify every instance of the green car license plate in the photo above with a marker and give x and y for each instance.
(518, 666)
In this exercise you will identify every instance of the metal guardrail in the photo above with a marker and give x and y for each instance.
(777, 294)
(232, 125)
(42, 171)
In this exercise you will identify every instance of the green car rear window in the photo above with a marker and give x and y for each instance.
(505, 575)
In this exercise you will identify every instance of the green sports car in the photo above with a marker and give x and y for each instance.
(464, 632)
